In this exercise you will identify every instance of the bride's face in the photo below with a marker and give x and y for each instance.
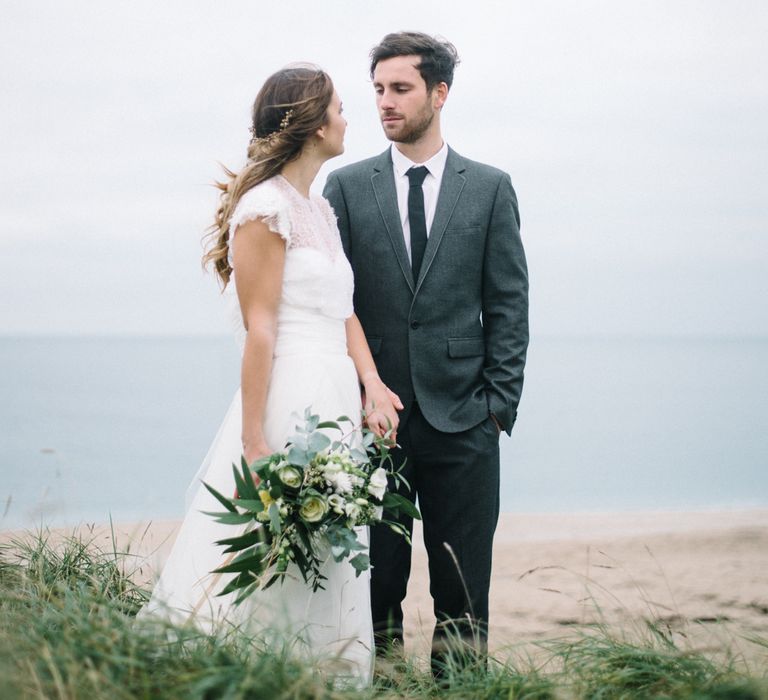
(334, 128)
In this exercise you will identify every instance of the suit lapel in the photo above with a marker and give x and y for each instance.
(450, 189)
(383, 181)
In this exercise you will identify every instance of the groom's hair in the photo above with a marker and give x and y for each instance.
(438, 56)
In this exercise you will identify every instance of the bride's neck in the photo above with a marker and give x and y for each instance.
(301, 172)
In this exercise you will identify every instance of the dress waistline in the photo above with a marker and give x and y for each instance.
(302, 331)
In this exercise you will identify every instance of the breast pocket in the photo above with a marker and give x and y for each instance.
(463, 231)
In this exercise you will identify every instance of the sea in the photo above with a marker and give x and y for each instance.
(93, 428)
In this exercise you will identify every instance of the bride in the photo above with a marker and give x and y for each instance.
(301, 346)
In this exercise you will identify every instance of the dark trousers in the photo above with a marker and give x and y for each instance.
(456, 479)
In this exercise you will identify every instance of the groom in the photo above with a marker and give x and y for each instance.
(441, 290)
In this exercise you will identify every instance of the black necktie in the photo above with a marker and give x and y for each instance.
(417, 218)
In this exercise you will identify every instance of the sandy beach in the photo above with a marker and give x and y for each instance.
(702, 576)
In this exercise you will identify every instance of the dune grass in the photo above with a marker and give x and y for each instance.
(68, 629)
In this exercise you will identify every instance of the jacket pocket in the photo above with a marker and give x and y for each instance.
(466, 347)
(374, 344)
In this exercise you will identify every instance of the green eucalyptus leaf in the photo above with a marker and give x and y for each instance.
(298, 456)
(338, 553)
(299, 441)
(318, 442)
(361, 562)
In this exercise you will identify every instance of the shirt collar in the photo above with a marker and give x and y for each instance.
(435, 165)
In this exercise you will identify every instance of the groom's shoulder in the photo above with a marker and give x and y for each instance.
(360, 169)
(474, 168)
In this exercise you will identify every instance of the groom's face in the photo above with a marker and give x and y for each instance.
(406, 108)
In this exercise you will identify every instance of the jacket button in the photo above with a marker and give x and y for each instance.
(414, 324)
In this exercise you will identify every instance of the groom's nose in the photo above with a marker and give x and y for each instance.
(386, 101)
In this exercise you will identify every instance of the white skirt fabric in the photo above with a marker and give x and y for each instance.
(311, 368)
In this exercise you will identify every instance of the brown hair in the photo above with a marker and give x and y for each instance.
(290, 107)
(438, 56)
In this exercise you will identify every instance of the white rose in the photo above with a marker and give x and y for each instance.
(378, 483)
(290, 476)
(378, 512)
(313, 509)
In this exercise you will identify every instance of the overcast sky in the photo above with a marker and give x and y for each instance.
(635, 134)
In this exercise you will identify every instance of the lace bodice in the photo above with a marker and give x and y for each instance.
(317, 276)
(302, 222)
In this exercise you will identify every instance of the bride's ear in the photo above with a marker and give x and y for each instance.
(320, 133)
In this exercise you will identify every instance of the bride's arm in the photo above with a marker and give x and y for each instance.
(258, 261)
(381, 404)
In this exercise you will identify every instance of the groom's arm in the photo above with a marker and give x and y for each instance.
(335, 195)
(505, 307)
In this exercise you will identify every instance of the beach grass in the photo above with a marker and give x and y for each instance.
(68, 629)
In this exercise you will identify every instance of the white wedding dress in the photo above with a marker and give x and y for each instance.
(311, 367)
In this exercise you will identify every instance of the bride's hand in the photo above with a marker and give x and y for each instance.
(381, 405)
(253, 451)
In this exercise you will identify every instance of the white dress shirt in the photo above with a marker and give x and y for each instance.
(431, 187)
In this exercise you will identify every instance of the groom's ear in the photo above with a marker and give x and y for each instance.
(439, 95)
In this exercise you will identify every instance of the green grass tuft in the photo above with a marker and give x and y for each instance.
(68, 630)
(600, 665)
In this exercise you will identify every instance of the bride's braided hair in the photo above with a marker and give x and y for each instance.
(290, 107)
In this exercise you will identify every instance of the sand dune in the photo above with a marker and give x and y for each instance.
(702, 576)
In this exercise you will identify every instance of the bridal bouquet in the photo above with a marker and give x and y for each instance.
(300, 505)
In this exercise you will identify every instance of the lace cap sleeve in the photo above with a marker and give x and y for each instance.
(264, 202)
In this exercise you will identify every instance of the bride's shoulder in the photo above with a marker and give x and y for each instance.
(266, 201)
(266, 191)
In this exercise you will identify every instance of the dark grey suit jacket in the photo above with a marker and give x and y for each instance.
(456, 338)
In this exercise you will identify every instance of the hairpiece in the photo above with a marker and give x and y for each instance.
(269, 138)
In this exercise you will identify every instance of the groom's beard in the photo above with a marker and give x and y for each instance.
(412, 132)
